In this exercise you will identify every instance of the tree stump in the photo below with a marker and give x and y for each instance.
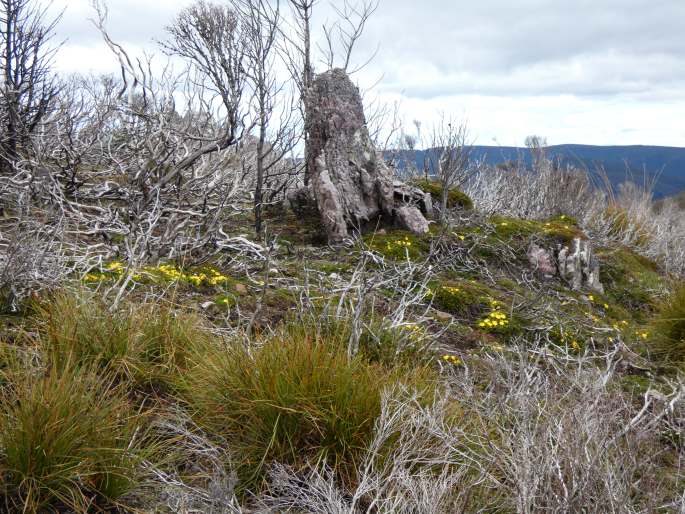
(351, 185)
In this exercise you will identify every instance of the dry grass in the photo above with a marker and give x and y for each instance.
(515, 434)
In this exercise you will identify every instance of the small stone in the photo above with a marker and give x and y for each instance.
(206, 305)
(442, 316)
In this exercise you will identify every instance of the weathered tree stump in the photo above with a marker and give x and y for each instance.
(576, 265)
(350, 183)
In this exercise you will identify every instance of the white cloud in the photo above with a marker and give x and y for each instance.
(577, 71)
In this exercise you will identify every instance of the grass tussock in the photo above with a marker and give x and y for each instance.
(148, 345)
(68, 438)
(292, 400)
(669, 328)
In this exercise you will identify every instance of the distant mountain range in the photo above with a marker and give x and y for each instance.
(661, 165)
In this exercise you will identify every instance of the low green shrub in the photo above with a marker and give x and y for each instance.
(461, 298)
(67, 439)
(293, 399)
(455, 198)
(631, 280)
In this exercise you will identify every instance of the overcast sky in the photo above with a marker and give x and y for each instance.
(576, 71)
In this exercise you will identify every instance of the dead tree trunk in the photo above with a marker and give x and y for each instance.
(351, 184)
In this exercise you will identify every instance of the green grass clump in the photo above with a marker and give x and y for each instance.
(78, 329)
(67, 439)
(669, 328)
(293, 399)
(12, 362)
(621, 222)
(455, 198)
(163, 344)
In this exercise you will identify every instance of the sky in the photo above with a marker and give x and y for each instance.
(602, 72)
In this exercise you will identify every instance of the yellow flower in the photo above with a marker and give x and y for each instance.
(452, 359)
(114, 266)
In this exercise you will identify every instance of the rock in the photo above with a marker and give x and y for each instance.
(404, 193)
(442, 316)
(241, 289)
(541, 261)
(350, 183)
(579, 267)
(411, 218)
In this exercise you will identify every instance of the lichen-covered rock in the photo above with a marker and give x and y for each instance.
(541, 261)
(352, 185)
(406, 194)
(410, 217)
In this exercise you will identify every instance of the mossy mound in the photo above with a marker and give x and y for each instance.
(399, 245)
(461, 298)
(559, 229)
(456, 199)
(631, 280)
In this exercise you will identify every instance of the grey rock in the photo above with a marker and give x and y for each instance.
(410, 217)
(541, 261)
(442, 316)
(404, 193)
